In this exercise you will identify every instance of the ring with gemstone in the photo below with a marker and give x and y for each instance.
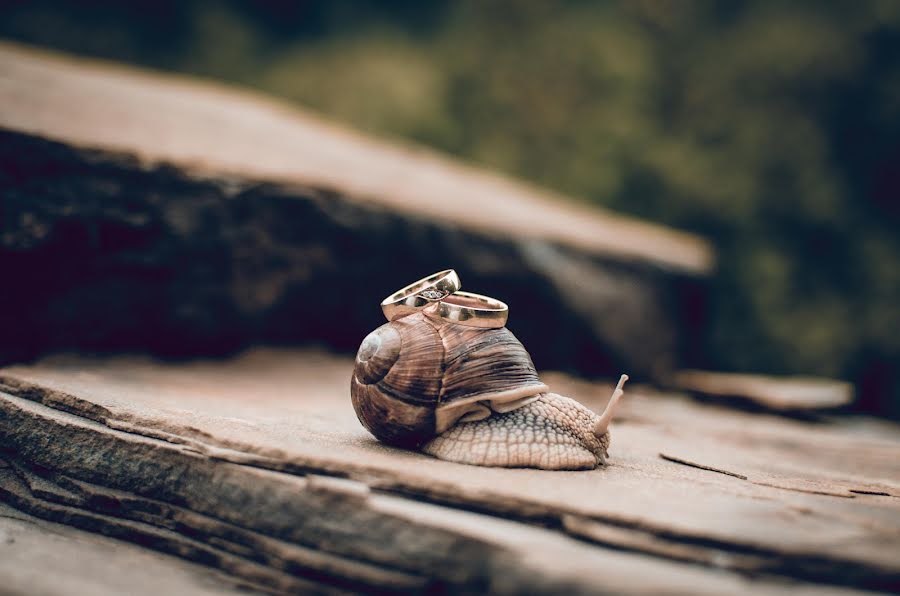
(420, 294)
(474, 310)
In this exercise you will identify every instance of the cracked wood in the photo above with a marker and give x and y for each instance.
(245, 440)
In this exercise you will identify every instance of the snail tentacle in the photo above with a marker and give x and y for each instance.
(602, 424)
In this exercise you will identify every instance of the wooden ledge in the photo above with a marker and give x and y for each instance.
(261, 460)
(215, 128)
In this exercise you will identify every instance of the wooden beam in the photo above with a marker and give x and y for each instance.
(221, 129)
(149, 212)
(261, 457)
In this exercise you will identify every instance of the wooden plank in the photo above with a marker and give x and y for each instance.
(783, 394)
(182, 218)
(220, 129)
(815, 503)
(41, 557)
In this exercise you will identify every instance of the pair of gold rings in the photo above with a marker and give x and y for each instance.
(439, 296)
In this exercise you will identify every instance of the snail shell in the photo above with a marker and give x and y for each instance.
(416, 377)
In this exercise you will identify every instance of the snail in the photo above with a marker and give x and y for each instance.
(471, 395)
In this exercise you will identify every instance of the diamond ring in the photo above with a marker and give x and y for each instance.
(420, 294)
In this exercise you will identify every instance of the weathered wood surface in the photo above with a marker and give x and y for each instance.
(38, 557)
(791, 395)
(220, 129)
(154, 213)
(257, 467)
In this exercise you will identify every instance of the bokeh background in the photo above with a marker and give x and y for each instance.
(771, 128)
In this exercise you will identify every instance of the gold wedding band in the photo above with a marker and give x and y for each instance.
(471, 309)
(420, 294)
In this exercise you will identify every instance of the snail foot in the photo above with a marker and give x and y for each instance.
(551, 433)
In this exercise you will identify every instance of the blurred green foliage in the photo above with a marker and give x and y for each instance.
(772, 128)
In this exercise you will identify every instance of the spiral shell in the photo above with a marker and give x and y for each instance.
(416, 377)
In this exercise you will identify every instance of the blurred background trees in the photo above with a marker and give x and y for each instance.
(772, 128)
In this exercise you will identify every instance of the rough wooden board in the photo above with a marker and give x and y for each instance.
(786, 394)
(40, 558)
(565, 564)
(821, 502)
(172, 118)
(519, 558)
(98, 253)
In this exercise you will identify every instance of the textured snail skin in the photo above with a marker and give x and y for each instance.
(551, 433)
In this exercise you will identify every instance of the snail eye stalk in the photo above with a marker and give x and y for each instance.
(603, 423)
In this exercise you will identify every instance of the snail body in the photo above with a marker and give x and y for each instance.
(470, 395)
(553, 432)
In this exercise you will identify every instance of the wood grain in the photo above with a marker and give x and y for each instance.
(153, 213)
(263, 454)
(220, 129)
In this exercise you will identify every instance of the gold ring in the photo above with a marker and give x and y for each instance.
(420, 294)
(471, 309)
